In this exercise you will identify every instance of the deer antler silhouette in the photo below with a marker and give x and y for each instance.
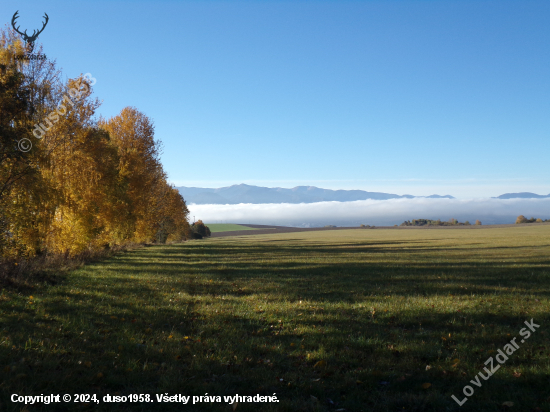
(29, 39)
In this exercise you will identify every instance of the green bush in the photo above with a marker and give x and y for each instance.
(199, 228)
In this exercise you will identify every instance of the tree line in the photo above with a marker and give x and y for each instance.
(438, 222)
(85, 183)
(523, 219)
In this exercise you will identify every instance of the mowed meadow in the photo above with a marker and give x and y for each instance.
(354, 320)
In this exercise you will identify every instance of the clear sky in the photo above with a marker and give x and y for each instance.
(418, 97)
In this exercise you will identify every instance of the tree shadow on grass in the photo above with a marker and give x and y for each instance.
(119, 333)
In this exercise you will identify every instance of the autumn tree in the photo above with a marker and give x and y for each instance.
(157, 210)
(25, 91)
(68, 182)
(521, 219)
(172, 215)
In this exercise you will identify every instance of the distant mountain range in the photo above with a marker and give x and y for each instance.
(521, 195)
(301, 194)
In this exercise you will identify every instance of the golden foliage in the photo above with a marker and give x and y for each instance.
(84, 184)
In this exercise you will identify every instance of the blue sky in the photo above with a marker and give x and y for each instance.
(418, 97)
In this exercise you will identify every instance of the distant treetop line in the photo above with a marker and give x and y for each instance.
(438, 222)
(243, 193)
(523, 219)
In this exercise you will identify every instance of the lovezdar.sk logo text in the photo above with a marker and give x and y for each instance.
(29, 40)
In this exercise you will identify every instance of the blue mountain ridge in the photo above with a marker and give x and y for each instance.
(521, 195)
(243, 193)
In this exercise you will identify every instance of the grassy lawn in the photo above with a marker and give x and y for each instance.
(226, 227)
(373, 320)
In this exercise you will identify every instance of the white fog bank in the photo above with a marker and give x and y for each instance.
(373, 212)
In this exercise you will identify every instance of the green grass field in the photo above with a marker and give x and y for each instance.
(358, 320)
(226, 227)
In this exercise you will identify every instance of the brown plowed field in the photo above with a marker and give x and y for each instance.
(267, 230)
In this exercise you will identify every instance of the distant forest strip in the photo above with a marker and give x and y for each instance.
(438, 222)
(453, 222)
(522, 219)
(71, 183)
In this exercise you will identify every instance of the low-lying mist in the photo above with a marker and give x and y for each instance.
(373, 212)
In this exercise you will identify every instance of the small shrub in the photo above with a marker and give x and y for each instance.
(478, 222)
(201, 229)
(521, 219)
